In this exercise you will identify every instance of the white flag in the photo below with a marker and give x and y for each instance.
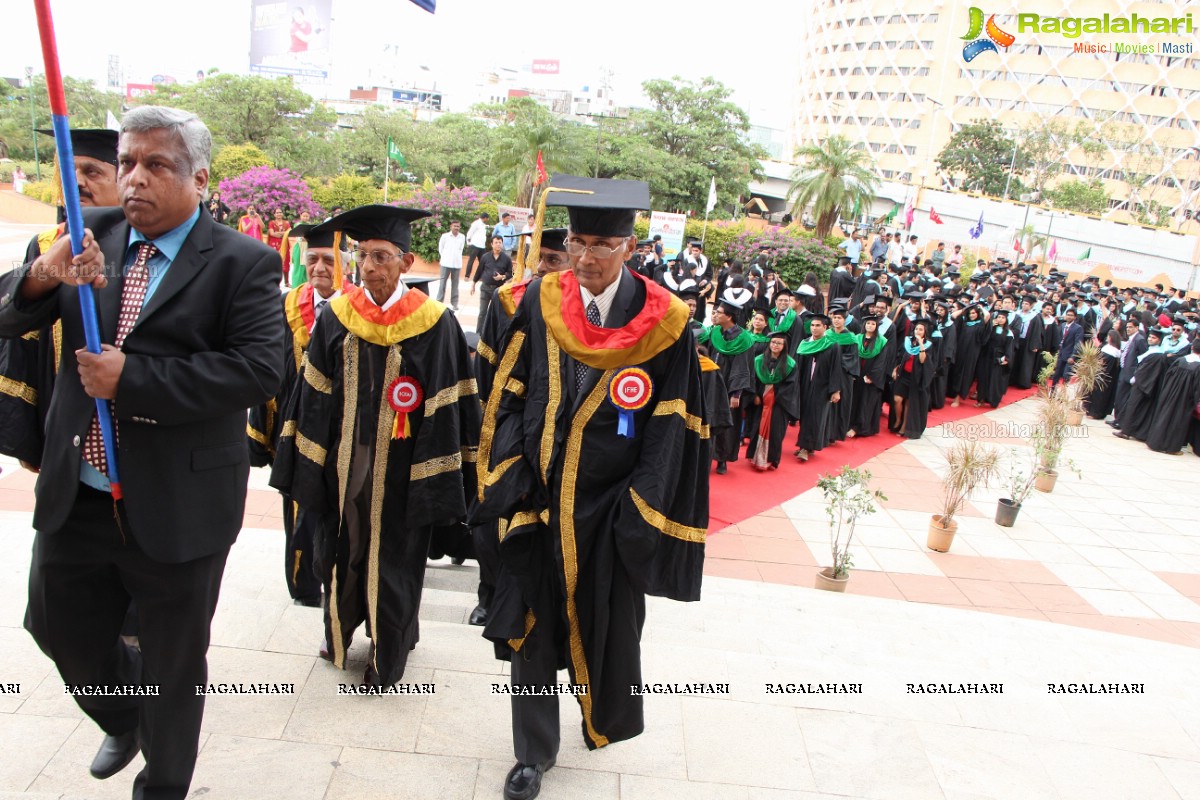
(111, 122)
(712, 196)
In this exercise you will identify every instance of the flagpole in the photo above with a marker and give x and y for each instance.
(387, 169)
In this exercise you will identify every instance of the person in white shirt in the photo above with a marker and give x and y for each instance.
(895, 252)
(909, 249)
(477, 239)
(450, 257)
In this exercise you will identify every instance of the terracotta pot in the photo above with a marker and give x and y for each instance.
(1006, 512)
(1045, 481)
(1075, 417)
(941, 536)
(826, 581)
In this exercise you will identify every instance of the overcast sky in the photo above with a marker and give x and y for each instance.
(739, 44)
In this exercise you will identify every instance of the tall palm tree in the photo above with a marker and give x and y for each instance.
(515, 157)
(833, 177)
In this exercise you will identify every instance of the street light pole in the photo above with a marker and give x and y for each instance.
(37, 163)
(1011, 166)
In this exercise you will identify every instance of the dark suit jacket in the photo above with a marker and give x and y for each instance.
(206, 347)
(1129, 363)
(1072, 337)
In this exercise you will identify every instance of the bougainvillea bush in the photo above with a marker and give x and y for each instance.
(446, 205)
(791, 255)
(268, 189)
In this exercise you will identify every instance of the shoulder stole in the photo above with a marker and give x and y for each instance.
(707, 364)
(415, 314)
(298, 306)
(510, 295)
(655, 328)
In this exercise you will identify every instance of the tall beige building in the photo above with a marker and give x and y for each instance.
(895, 76)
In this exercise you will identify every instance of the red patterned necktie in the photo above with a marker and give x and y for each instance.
(133, 293)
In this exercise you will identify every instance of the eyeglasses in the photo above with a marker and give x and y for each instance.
(555, 259)
(380, 257)
(319, 258)
(598, 251)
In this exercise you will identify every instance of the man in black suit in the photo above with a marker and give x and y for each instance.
(193, 310)
(1072, 336)
(1135, 345)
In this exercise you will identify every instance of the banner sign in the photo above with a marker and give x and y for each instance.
(290, 39)
(670, 228)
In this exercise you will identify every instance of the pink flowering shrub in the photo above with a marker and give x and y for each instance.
(792, 256)
(446, 204)
(268, 189)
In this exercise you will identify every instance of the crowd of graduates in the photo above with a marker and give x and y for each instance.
(890, 341)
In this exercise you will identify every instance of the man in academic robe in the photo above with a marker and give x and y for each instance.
(1138, 413)
(301, 307)
(28, 364)
(1029, 360)
(846, 373)
(841, 280)
(385, 416)
(1174, 414)
(1131, 351)
(818, 387)
(731, 348)
(551, 257)
(701, 272)
(594, 458)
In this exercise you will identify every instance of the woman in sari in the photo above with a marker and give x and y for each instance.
(774, 379)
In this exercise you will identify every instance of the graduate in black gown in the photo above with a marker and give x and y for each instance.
(1138, 414)
(945, 340)
(1174, 418)
(912, 377)
(840, 418)
(995, 361)
(1039, 332)
(384, 419)
(774, 403)
(1025, 354)
(817, 386)
(731, 347)
(873, 366)
(841, 280)
(1099, 402)
(972, 333)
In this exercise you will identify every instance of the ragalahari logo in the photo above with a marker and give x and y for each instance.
(977, 43)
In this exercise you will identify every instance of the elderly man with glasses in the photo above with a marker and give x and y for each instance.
(383, 419)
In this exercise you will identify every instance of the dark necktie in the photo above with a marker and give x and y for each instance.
(581, 369)
(133, 293)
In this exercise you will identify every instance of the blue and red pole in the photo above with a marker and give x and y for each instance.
(70, 186)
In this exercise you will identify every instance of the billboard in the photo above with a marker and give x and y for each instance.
(290, 38)
(670, 228)
(136, 90)
(545, 66)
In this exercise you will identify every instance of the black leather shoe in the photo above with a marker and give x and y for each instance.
(114, 754)
(524, 781)
(721, 468)
(478, 616)
(458, 562)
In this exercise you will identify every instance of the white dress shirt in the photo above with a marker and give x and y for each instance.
(391, 301)
(604, 300)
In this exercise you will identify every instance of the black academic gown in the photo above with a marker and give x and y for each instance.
(816, 383)
(593, 520)
(1177, 399)
(947, 345)
(995, 364)
(1138, 415)
(782, 397)
(841, 284)
(379, 497)
(1029, 349)
(736, 371)
(919, 380)
(1099, 402)
(867, 400)
(971, 339)
(841, 416)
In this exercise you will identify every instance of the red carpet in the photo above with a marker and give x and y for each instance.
(744, 491)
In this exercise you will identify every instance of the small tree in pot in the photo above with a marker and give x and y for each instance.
(971, 465)
(1089, 375)
(1022, 472)
(848, 496)
(1050, 435)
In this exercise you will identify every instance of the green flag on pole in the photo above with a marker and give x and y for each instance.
(1085, 255)
(857, 207)
(891, 215)
(395, 154)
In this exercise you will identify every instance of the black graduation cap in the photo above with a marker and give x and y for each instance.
(646, 243)
(1178, 320)
(389, 223)
(820, 318)
(1161, 333)
(778, 335)
(556, 239)
(840, 310)
(608, 207)
(977, 278)
(689, 291)
(869, 300)
(930, 325)
(844, 302)
(97, 143)
(886, 299)
(319, 239)
(732, 310)
(783, 292)
(953, 273)
(1029, 298)
(914, 295)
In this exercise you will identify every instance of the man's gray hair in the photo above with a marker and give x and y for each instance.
(197, 141)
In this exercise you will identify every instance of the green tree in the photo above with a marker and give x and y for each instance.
(833, 177)
(234, 159)
(982, 153)
(347, 191)
(1044, 148)
(1087, 197)
(702, 131)
(89, 106)
(241, 109)
(528, 130)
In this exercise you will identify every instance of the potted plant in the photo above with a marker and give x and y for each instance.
(1021, 477)
(1089, 375)
(1051, 434)
(848, 496)
(971, 465)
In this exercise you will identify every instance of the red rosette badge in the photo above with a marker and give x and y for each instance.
(404, 396)
(630, 390)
